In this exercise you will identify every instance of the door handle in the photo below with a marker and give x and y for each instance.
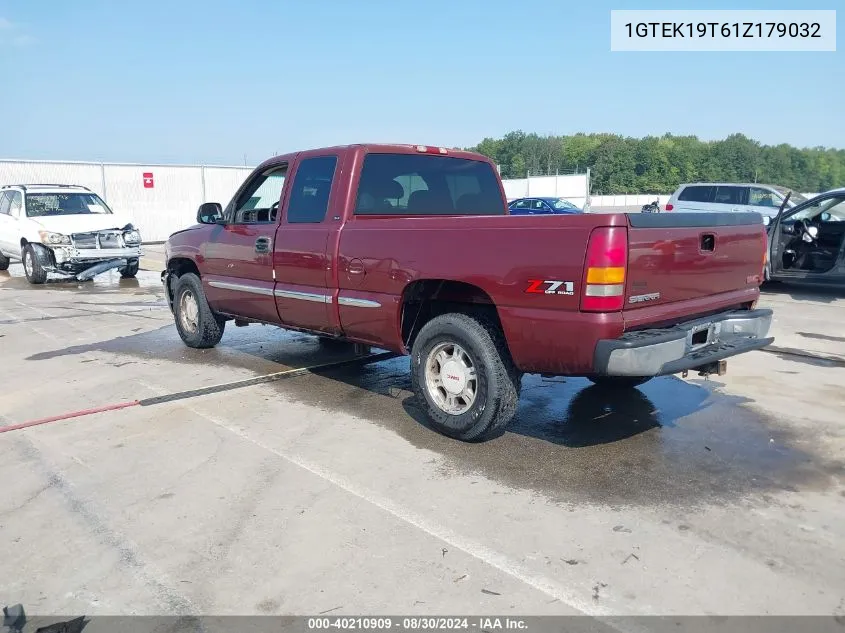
(355, 267)
(262, 245)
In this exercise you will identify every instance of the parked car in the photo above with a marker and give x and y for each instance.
(65, 229)
(406, 248)
(709, 197)
(534, 206)
(806, 242)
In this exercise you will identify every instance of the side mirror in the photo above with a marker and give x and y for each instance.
(210, 213)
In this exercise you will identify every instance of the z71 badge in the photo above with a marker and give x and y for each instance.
(550, 287)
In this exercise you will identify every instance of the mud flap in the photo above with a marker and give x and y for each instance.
(102, 267)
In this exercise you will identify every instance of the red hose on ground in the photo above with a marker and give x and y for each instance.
(72, 414)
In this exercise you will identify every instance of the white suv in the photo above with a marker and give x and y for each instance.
(726, 197)
(64, 229)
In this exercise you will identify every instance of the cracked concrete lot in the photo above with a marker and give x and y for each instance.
(324, 493)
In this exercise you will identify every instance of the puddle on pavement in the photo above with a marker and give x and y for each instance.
(261, 349)
(668, 442)
(109, 282)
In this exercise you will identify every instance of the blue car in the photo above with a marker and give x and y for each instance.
(538, 206)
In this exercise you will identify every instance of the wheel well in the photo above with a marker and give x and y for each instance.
(177, 267)
(423, 300)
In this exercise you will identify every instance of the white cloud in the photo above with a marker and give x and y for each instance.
(13, 34)
(22, 40)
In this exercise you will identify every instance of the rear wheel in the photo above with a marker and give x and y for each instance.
(197, 325)
(463, 376)
(619, 382)
(4, 262)
(34, 271)
(130, 270)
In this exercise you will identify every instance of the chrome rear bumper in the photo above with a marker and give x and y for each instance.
(686, 346)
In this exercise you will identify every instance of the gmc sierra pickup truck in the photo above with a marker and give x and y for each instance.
(411, 249)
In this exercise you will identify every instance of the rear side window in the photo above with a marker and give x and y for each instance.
(409, 184)
(309, 198)
(729, 195)
(763, 198)
(696, 194)
(15, 203)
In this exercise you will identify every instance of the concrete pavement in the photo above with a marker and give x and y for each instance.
(324, 492)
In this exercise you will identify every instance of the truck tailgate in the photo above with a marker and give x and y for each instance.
(686, 256)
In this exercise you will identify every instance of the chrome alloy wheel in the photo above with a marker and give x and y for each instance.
(451, 378)
(189, 311)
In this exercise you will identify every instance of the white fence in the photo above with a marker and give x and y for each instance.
(159, 199)
(573, 187)
(628, 200)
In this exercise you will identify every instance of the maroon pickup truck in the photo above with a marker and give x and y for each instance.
(411, 249)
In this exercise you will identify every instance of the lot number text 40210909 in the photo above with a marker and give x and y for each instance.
(417, 623)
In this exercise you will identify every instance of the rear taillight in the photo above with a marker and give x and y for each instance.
(669, 207)
(604, 278)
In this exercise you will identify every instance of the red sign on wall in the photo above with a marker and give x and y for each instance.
(148, 180)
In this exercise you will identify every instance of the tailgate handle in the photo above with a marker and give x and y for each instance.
(708, 243)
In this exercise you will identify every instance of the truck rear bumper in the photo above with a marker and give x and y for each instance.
(656, 352)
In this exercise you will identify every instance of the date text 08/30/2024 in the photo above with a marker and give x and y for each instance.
(417, 623)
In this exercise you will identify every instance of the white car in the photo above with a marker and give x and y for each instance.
(731, 197)
(64, 229)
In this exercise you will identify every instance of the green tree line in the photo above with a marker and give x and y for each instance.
(659, 164)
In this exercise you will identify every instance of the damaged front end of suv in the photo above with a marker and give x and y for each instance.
(84, 255)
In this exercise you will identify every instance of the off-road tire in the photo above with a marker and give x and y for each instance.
(130, 270)
(32, 268)
(4, 262)
(209, 327)
(498, 380)
(619, 382)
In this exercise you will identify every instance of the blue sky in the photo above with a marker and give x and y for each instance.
(195, 81)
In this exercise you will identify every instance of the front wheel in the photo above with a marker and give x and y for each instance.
(619, 382)
(130, 270)
(4, 262)
(463, 376)
(34, 271)
(196, 323)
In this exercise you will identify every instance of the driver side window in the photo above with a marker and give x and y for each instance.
(259, 202)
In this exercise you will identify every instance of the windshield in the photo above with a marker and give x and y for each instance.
(560, 203)
(48, 204)
(795, 199)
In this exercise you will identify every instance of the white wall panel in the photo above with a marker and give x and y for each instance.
(40, 172)
(221, 183)
(169, 205)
